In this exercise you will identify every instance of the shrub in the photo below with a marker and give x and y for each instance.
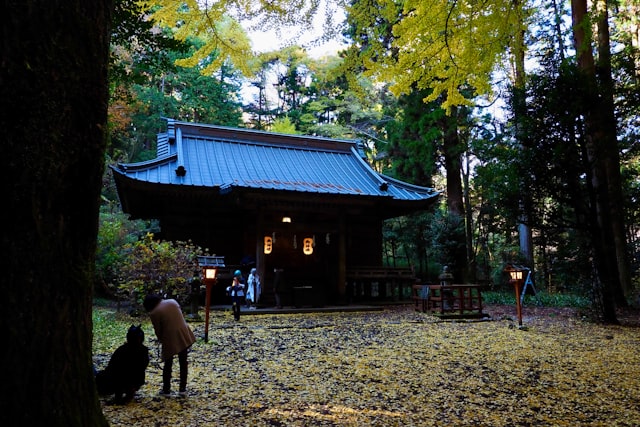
(542, 298)
(114, 233)
(157, 266)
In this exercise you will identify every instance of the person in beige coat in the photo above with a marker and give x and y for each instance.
(175, 336)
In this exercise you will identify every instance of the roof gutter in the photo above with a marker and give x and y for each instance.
(181, 171)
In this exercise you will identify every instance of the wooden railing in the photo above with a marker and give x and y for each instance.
(371, 283)
(461, 301)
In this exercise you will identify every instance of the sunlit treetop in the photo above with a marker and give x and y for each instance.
(225, 39)
(218, 24)
(447, 46)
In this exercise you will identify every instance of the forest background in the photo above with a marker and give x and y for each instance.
(507, 137)
(552, 182)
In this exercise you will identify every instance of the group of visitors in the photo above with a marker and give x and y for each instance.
(125, 372)
(241, 292)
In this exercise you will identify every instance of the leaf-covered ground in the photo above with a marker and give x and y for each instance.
(394, 368)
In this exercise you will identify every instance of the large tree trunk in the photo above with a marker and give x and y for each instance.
(468, 220)
(520, 107)
(53, 85)
(595, 143)
(453, 150)
(612, 158)
(452, 163)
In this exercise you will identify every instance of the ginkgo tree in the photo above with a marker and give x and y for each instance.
(443, 46)
(224, 24)
(447, 47)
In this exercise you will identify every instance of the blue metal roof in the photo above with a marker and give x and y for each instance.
(196, 155)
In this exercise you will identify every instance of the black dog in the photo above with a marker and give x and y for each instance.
(125, 373)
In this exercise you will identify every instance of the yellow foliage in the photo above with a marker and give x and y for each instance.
(217, 24)
(396, 368)
(225, 39)
(448, 47)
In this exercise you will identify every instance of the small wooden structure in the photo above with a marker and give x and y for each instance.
(449, 301)
(371, 283)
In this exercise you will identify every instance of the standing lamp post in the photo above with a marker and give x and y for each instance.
(210, 265)
(516, 278)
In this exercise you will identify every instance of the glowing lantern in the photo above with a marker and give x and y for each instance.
(209, 265)
(307, 246)
(268, 244)
(515, 274)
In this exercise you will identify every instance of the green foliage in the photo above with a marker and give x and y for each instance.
(444, 234)
(542, 298)
(149, 83)
(315, 96)
(495, 181)
(284, 125)
(406, 244)
(110, 328)
(130, 263)
(157, 266)
(134, 39)
(447, 47)
(498, 298)
(218, 25)
(415, 138)
(559, 300)
(114, 233)
(425, 241)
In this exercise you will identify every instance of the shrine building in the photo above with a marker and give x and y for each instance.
(310, 206)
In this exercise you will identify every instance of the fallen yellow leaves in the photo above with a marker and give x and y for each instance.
(395, 368)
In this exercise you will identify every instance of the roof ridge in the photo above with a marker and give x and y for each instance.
(260, 137)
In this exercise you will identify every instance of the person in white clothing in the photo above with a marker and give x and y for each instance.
(253, 289)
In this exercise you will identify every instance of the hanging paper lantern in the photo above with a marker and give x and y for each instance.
(307, 246)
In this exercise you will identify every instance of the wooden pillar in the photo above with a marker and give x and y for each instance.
(260, 233)
(342, 260)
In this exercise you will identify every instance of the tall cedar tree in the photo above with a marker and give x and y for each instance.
(372, 24)
(53, 80)
(596, 139)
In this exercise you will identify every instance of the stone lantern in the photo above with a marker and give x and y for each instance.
(446, 279)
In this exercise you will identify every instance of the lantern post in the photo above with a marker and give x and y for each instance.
(516, 274)
(209, 265)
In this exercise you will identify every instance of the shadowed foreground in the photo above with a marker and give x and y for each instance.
(394, 367)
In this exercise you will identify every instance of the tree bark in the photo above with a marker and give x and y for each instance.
(453, 149)
(53, 85)
(471, 260)
(600, 226)
(452, 162)
(524, 228)
(612, 158)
